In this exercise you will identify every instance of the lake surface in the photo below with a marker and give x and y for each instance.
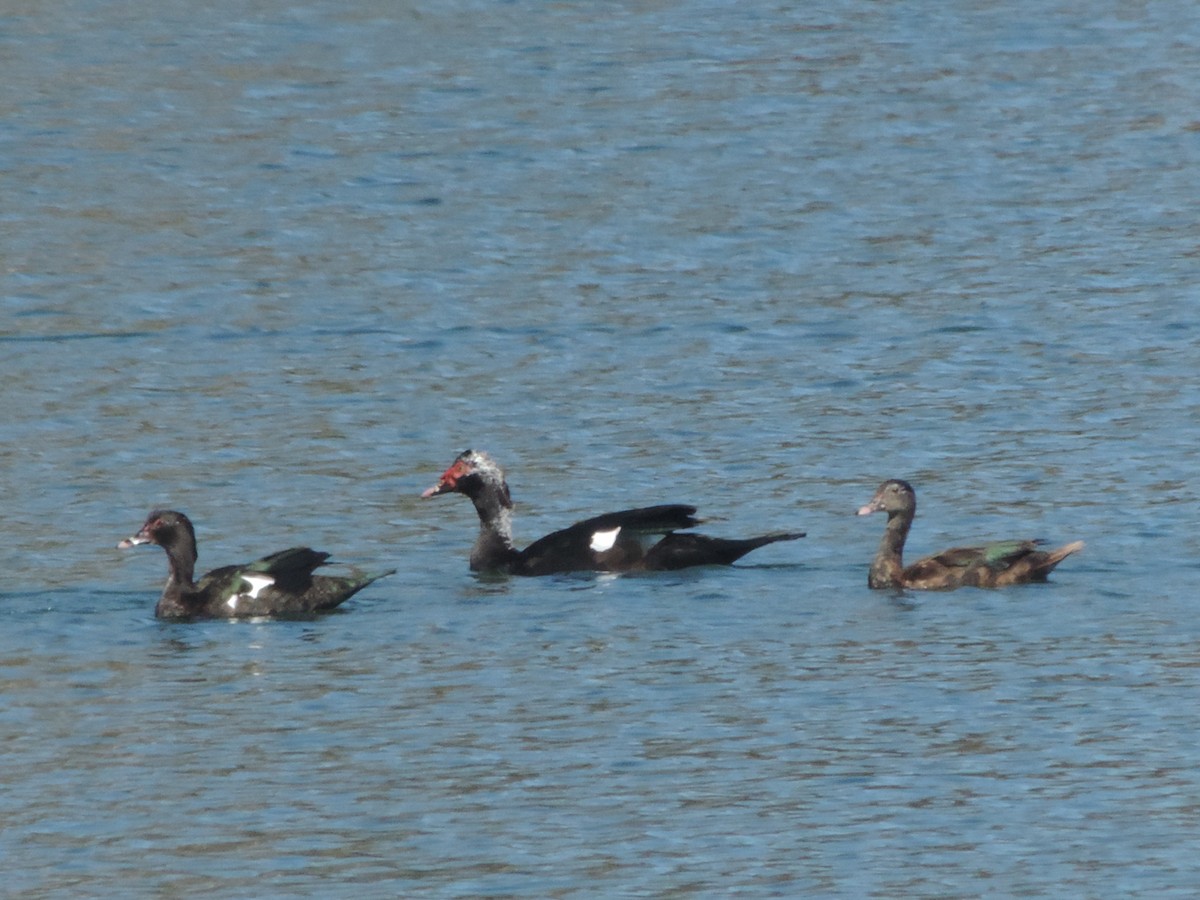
(276, 265)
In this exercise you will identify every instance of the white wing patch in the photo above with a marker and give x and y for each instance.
(604, 540)
(257, 583)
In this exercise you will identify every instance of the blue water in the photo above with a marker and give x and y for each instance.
(276, 265)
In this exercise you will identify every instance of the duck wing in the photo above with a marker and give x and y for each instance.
(999, 555)
(290, 569)
(232, 589)
(611, 542)
(960, 566)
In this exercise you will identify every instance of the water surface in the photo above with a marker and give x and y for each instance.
(277, 265)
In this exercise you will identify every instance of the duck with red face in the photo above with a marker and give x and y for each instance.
(644, 539)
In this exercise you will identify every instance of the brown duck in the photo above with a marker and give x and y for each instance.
(993, 565)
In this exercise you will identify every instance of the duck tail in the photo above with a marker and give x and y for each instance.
(369, 577)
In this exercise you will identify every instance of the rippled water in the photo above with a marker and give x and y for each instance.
(275, 265)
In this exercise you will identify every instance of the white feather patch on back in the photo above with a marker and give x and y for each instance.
(604, 540)
(257, 583)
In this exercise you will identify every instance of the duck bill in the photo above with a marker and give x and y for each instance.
(871, 507)
(442, 487)
(133, 541)
(449, 480)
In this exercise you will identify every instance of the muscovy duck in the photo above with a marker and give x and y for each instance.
(994, 565)
(645, 539)
(281, 584)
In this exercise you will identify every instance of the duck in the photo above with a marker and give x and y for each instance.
(282, 584)
(646, 539)
(994, 565)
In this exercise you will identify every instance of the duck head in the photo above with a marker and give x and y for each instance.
(164, 527)
(892, 497)
(472, 473)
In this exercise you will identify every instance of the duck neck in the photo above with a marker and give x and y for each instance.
(181, 569)
(887, 570)
(493, 548)
(181, 562)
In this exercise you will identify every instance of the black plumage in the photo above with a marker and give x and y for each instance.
(282, 584)
(643, 539)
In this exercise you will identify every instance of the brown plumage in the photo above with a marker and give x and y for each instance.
(994, 565)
